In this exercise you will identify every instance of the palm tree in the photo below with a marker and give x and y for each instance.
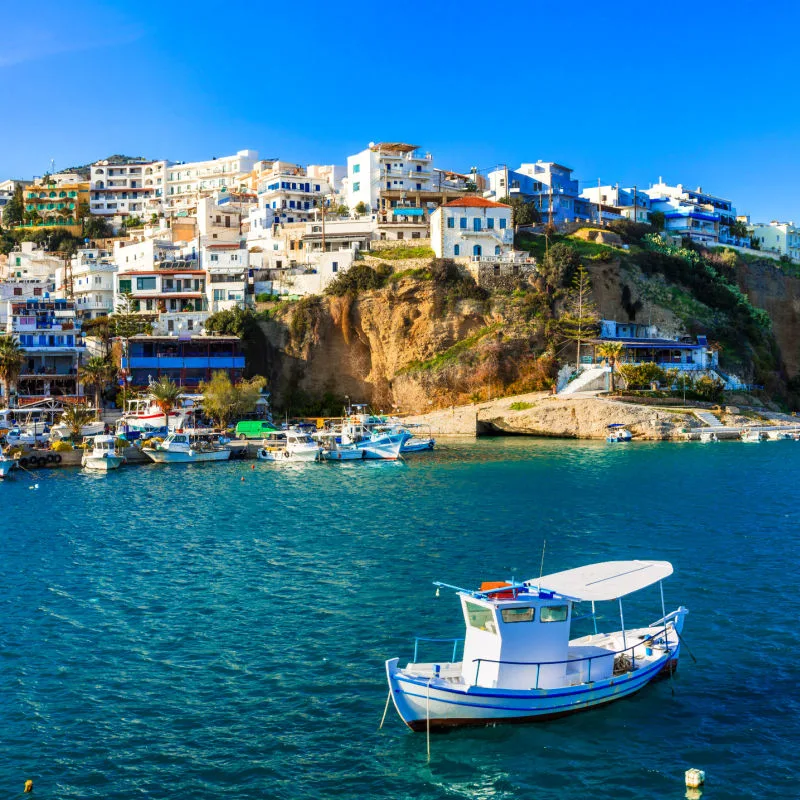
(165, 393)
(75, 417)
(611, 352)
(95, 372)
(11, 358)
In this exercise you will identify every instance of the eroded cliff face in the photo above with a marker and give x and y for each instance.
(357, 346)
(770, 288)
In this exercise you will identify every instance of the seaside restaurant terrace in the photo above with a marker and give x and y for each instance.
(186, 359)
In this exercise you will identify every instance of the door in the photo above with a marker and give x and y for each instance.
(476, 250)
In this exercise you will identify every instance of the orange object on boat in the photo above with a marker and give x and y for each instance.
(487, 586)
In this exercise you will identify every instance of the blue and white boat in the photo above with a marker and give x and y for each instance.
(6, 465)
(519, 663)
(618, 433)
(417, 443)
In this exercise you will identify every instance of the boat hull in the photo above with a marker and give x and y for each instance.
(421, 446)
(436, 706)
(103, 464)
(165, 457)
(356, 454)
(382, 450)
(288, 457)
(6, 465)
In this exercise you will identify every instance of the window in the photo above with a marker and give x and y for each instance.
(17, 291)
(517, 614)
(356, 167)
(125, 286)
(554, 613)
(490, 223)
(480, 617)
(171, 328)
(219, 294)
(335, 266)
(356, 186)
(451, 222)
(476, 224)
(145, 284)
(214, 257)
(456, 250)
(234, 257)
(497, 249)
(462, 223)
(502, 222)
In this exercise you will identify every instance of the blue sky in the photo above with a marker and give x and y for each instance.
(700, 94)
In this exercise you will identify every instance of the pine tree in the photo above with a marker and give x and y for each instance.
(580, 320)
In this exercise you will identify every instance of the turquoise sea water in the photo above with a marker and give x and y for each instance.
(179, 631)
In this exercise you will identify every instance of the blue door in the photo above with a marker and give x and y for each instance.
(476, 250)
(476, 224)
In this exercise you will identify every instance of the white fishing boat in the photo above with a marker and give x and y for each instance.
(34, 433)
(618, 433)
(143, 416)
(103, 455)
(286, 447)
(417, 443)
(751, 436)
(6, 465)
(778, 436)
(333, 450)
(181, 448)
(519, 663)
(62, 431)
(708, 436)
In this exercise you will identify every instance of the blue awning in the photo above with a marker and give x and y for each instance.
(408, 212)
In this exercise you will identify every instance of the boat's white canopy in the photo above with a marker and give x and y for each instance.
(607, 580)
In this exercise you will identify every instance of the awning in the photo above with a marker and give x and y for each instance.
(607, 580)
(408, 212)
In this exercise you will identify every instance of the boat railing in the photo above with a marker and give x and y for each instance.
(419, 639)
(609, 654)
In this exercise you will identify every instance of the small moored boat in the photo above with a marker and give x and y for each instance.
(618, 433)
(519, 663)
(103, 455)
(181, 448)
(289, 446)
(751, 436)
(6, 465)
(708, 436)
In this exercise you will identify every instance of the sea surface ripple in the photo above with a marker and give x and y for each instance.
(217, 629)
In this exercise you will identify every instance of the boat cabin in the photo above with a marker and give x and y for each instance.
(519, 625)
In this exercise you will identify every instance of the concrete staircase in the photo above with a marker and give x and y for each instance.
(708, 418)
(590, 380)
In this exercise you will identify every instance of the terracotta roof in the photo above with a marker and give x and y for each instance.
(475, 202)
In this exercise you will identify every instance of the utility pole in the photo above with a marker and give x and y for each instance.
(599, 206)
(635, 209)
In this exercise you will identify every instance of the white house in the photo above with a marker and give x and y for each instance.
(227, 266)
(778, 237)
(629, 203)
(121, 190)
(472, 227)
(187, 182)
(29, 261)
(89, 279)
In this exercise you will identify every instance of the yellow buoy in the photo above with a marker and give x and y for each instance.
(29, 785)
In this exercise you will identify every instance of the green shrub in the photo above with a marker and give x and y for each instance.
(521, 405)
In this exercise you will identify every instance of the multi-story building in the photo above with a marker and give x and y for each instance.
(472, 227)
(49, 334)
(56, 199)
(122, 190)
(397, 182)
(286, 194)
(186, 359)
(549, 186)
(187, 182)
(695, 214)
(29, 261)
(227, 267)
(628, 203)
(778, 237)
(88, 279)
(163, 278)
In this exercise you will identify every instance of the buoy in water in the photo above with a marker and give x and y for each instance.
(695, 778)
(242, 477)
(252, 466)
(28, 785)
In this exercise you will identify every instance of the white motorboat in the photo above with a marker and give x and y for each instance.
(289, 446)
(519, 663)
(62, 431)
(181, 448)
(35, 433)
(6, 465)
(103, 455)
(144, 416)
(333, 450)
(778, 436)
(708, 436)
(618, 433)
(751, 436)
(415, 445)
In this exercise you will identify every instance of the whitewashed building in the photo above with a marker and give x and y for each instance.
(89, 279)
(227, 266)
(782, 238)
(124, 190)
(188, 182)
(628, 203)
(472, 228)
(28, 261)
